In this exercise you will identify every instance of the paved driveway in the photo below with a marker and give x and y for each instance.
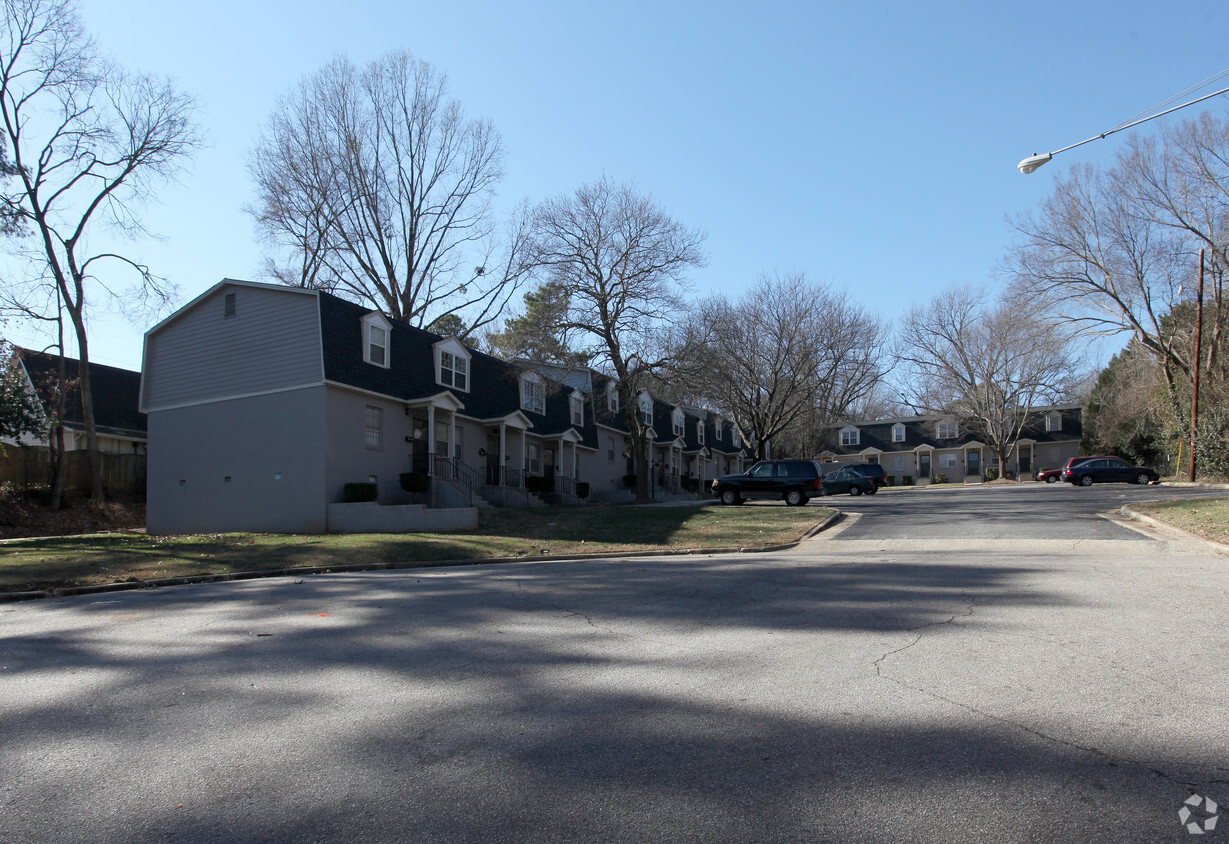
(1024, 511)
(835, 693)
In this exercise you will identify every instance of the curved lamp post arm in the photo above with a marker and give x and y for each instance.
(1031, 163)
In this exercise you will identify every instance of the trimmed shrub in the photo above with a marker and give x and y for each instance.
(941, 478)
(907, 480)
(629, 481)
(690, 484)
(992, 473)
(414, 481)
(582, 489)
(355, 493)
(891, 480)
(539, 485)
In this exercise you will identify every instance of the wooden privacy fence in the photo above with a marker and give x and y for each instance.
(28, 466)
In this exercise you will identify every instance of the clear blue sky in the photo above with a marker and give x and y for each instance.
(872, 145)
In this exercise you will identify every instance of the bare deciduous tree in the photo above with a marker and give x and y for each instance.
(986, 362)
(373, 184)
(88, 141)
(1117, 250)
(619, 261)
(786, 353)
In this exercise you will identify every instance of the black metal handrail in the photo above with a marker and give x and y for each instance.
(464, 476)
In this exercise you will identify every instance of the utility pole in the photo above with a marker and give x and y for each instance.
(1195, 380)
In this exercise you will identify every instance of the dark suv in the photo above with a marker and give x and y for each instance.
(871, 471)
(793, 481)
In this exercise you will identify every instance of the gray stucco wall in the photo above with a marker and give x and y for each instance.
(251, 464)
(271, 342)
(350, 460)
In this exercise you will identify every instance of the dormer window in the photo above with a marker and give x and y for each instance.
(453, 371)
(1054, 421)
(700, 431)
(646, 411)
(717, 430)
(946, 431)
(452, 364)
(676, 420)
(612, 397)
(578, 410)
(850, 436)
(533, 395)
(376, 333)
(898, 433)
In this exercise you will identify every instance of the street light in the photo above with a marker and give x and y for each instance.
(1031, 163)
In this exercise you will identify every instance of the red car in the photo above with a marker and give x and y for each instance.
(1053, 476)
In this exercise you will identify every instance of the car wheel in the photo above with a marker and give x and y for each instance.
(872, 490)
(795, 498)
(1142, 478)
(1086, 480)
(729, 496)
(855, 490)
(1053, 479)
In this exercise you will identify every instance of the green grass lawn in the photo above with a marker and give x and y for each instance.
(501, 532)
(1206, 517)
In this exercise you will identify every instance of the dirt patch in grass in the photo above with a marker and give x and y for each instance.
(1206, 517)
(24, 515)
(111, 558)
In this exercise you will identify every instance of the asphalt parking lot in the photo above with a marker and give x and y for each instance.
(953, 687)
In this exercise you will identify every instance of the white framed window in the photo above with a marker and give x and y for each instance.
(677, 421)
(612, 397)
(646, 411)
(454, 371)
(228, 305)
(373, 433)
(850, 436)
(717, 431)
(947, 461)
(533, 458)
(610, 449)
(947, 431)
(898, 433)
(1054, 421)
(700, 431)
(900, 463)
(441, 439)
(578, 410)
(377, 345)
(457, 439)
(533, 396)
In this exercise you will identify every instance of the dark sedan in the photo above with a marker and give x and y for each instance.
(1108, 470)
(847, 480)
(1054, 475)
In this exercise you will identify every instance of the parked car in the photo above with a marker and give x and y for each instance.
(850, 481)
(872, 471)
(1054, 475)
(793, 481)
(1104, 470)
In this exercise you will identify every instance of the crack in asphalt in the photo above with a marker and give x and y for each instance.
(1021, 726)
(950, 621)
(1121, 760)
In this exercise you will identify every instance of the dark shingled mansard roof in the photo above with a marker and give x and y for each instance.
(117, 394)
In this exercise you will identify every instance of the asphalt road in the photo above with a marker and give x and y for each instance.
(1018, 512)
(950, 688)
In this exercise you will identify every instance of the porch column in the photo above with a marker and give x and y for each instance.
(502, 460)
(430, 439)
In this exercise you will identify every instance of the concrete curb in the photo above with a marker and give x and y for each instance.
(70, 591)
(1130, 512)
